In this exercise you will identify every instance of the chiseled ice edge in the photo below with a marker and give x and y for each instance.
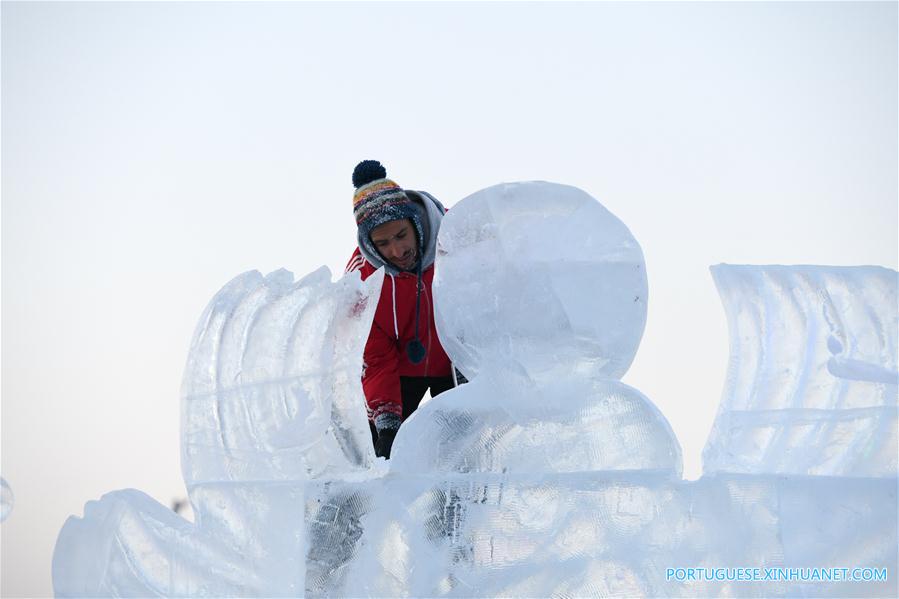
(811, 383)
(270, 378)
(254, 347)
(552, 282)
(7, 499)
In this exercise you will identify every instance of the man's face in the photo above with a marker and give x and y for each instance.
(397, 243)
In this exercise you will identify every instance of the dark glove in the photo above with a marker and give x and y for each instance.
(386, 425)
(385, 443)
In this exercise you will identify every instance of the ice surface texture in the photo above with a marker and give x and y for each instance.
(545, 475)
(812, 378)
(540, 298)
(266, 406)
(503, 425)
(271, 379)
(7, 499)
(574, 535)
(541, 278)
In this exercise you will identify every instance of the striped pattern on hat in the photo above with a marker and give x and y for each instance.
(376, 198)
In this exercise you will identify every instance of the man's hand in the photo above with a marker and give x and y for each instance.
(386, 425)
(384, 443)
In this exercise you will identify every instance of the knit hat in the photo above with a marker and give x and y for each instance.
(379, 200)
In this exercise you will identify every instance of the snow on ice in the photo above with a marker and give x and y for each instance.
(543, 476)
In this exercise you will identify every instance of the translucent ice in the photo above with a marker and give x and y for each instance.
(7, 499)
(270, 379)
(812, 379)
(266, 406)
(489, 535)
(545, 475)
(539, 276)
(544, 328)
(497, 424)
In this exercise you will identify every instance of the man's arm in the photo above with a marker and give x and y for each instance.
(380, 378)
(381, 384)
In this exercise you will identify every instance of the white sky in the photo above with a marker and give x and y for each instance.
(151, 152)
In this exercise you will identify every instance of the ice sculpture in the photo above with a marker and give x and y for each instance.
(271, 372)
(545, 475)
(816, 391)
(544, 329)
(270, 379)
(551, 283)
(615, 534)
(7, 499)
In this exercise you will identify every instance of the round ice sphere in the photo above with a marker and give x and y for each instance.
(6, 499)
(539, 276)
(505, 425)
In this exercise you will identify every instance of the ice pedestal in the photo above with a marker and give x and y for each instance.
(585, 535)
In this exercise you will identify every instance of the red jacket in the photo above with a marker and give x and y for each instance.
(385, 359)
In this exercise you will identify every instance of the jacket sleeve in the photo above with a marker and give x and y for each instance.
(380, 376)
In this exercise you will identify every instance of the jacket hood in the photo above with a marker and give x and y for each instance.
(430, 213)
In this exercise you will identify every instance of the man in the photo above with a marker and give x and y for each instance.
(397, 230)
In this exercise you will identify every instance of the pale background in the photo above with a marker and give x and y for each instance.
(151, 152)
